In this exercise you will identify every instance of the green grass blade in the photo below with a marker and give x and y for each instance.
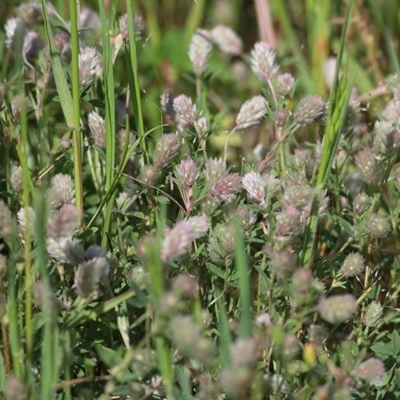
(245, 323)
(60, 79)
(225, 338)
(337, 112)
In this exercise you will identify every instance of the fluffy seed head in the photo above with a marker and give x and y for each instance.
(246, 217)
(299, 197)
(254, 185)
(337, 308)
(88, 66)
(185, 111)
(123, 26)
(63, 223)
(89, 275)
(378, 226)
(187, 172)
(214, 169)
(352, 265)
(368, 166)
(167, 148)
(227, 40)
(149, 174)
(62, 191)
(302, 281)
(263, 61)
(281, 262)
(373, 314)
(65, 250)
(371, 370)
(179, 238)
(16, 178)
(201, 126)
(199, 51)
(251, 112)
(5, 219)
(226, 187)
(284, 83)
(361, 203)
(281, 117)
(288, 222)
(97, 127)
(310, 109)
(26, 219)
(15, 34)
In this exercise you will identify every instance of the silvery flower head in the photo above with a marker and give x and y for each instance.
(89, 275)
(225, 188)
(123, 26)
(263, 61)
(88, 66)
(199, 51)
(284, 84)
(97, 126)
(15, 34)
(185, 111)
(311, 109)
(62, 190)
(352, 265)
(251, 112)
(254, 185)
(227, 40)
(337, 308)
(89, 24)
(167, 148)
(214, 169)
(187, 172)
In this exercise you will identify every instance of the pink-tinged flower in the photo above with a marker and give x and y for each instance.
(337, 308)
(88, 66)
(167, 148)
(185, 111)
(254, 185)
(371, 370)
(227, 40)
(310, 109)
(187, 172)
(62, 190)
(226, 187)
(214, 169)
(97, 127)
(251, 112)
(263, 61)
(199, 51)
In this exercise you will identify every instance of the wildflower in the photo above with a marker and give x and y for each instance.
(62, 190)
(227, 40)
(88, 276)
(167, 104)
(373, 314)
(149, 174)
(226, 187)
(352, 265)
(17, 104)
(214, 169)
(251, 112)
(167, 148)
(275, 384)
(284, 84)
(187, 338)
(235, 380)
(367, 165)
(272, 184)
(15, 34)
(63, 222)
(97, 127)
(263, 61)
(378, 226)
(246, 217)
(65, 250)
(26, 218)
(263, 319)
(288, 221)
(16, 178)
(254, 185)
(120, 142)
(391, 140)
(123, 26)
(88, 65)
(185, 111)
(361, 203)
(371, 370)
(62, 43)
(222, 241)
(89, 24)
(246, 351)
(302, 281)
(185, 284)
(299, 197)
(178, 239)
(291, 347)
(201, 126)
(30, 13)
(5, 219)
(282, 263)
(14, 388)
(310, 109)
(337, 308)
(31, 47)
(208, 206)
(187, 172)
(281, 117)
(199, 51)
(317, 334)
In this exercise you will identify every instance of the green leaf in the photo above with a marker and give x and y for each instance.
(108, 356)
